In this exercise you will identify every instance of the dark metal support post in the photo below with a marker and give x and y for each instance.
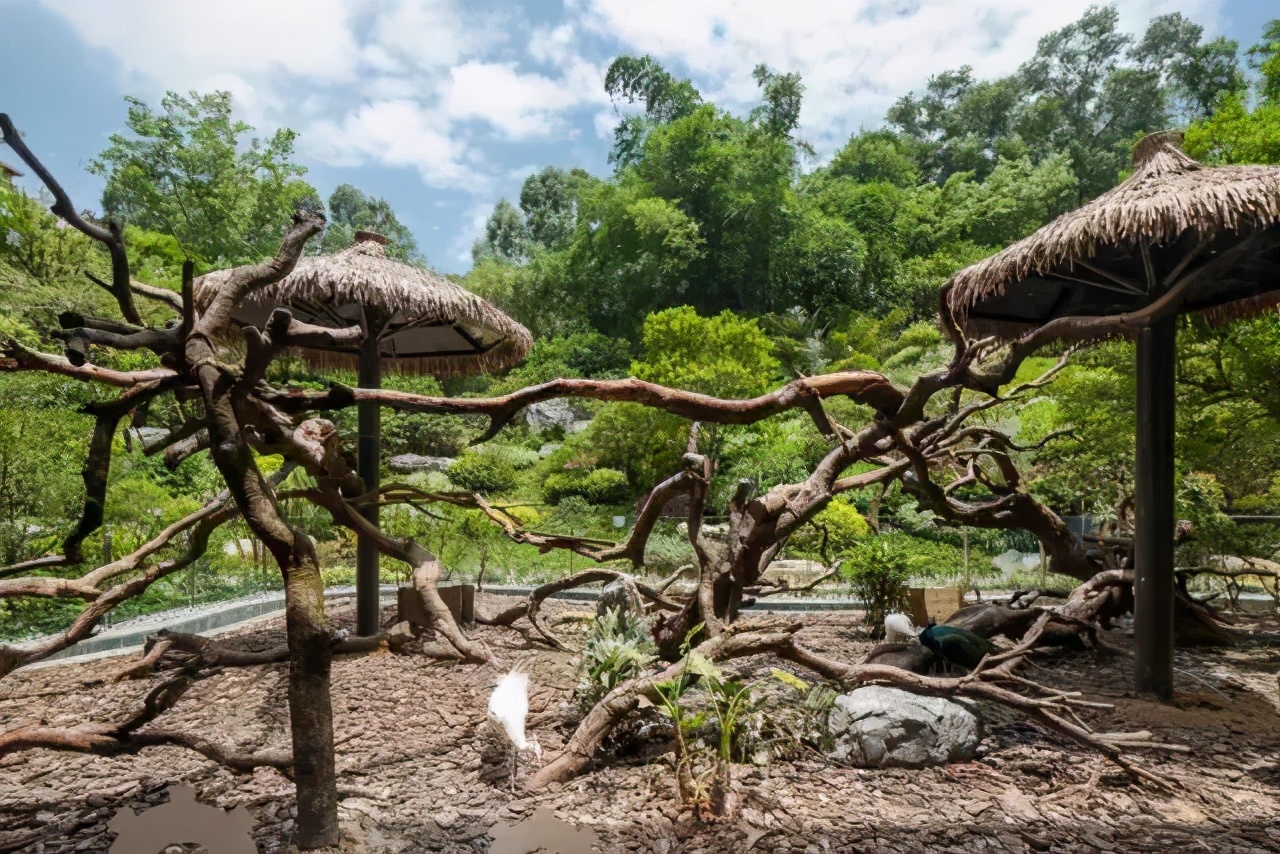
(1153, 533)
(368, 448)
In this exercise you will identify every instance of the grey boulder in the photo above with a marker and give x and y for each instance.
(878, 727)
(418, 462)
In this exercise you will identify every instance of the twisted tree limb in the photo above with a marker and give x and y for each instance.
(862, 386)
(532, 605)
(128, 736)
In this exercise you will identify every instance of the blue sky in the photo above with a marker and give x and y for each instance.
(443, 107)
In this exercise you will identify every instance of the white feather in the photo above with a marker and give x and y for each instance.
(509, 707)
(898, 628)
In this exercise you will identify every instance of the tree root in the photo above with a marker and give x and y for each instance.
(105, 739)
(155, 649)
(214, 654)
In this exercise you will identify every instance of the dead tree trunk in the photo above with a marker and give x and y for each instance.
(306, 625)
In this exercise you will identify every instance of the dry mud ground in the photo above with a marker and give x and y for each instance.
(414, 777)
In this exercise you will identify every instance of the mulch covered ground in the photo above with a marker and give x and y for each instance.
(418, 774)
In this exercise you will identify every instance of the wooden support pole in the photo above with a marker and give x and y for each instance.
(368, 447)
(1153, 493)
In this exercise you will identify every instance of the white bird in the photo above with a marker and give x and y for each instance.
(898, 628)
(508, 709)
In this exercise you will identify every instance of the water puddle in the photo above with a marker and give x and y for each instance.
(542, 833)
(182, 822)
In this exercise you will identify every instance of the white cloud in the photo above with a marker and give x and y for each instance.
(424, 36)
(402, 83)
(473, 222)
(397, 133)
(183, 45)
(605, 121)
(553, 45)
(520, 105)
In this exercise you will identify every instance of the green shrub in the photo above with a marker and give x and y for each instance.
(488, 472)
(878, 572)
(601, 486)
(606, 486)
(560, 485)
(667, 552)
(832, 532)
(929, 558)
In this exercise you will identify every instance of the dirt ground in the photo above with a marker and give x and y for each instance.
(417, 774)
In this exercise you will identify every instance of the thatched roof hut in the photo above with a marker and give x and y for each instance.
(428, 324)
(1174, 237)
(8, 173)
(1128, 247)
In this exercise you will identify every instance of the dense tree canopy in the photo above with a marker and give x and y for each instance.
(189, 171)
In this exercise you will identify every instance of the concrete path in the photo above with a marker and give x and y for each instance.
(128, 636)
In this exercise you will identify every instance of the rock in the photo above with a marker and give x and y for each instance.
(619, 597)
(1232, 563)
(399, 635)
(418, 462)
(549, 414)
(578, 426)
(150, 435)
(793, 573)
(549, 449)
(711, 532)
(886, 727)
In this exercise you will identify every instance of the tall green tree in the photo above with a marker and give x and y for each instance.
(1265, 58)
(1087, 92)
(193, 171)
(506, 237)
(1235, 133)
(1193, 73)
(723, 356)
(550, 201)
(351, 210)
(666, 98)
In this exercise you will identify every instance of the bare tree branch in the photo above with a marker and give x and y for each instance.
(62, 207)
(862, 386)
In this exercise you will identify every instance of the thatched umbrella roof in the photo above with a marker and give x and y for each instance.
(429, 325)
(1124, 249)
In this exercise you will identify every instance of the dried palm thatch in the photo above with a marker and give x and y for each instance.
(426, 324)
(1130, 246)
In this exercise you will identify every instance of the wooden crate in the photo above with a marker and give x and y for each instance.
(460, 599)
(936, 602)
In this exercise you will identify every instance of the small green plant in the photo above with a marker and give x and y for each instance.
(691, 783)
(878, 573)
(618, 648)
(804, 725)
(704, 772)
